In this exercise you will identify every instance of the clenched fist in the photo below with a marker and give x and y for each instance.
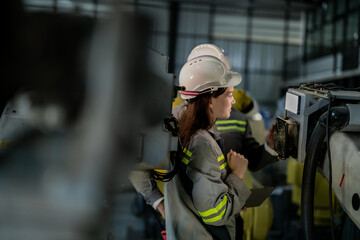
(237, 163)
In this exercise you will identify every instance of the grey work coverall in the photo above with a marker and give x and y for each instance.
(183, 220)
(217, 195)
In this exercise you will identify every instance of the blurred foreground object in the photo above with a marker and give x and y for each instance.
(82, 94)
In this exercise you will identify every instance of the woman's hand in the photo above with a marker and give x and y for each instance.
(161, 208)
(237, 163)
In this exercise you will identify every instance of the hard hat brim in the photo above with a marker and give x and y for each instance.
(233, 79)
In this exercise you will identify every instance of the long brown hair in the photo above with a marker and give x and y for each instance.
(197, 116)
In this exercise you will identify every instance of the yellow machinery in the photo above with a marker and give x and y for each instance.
(178, 100)
(321, 193)
(257, 220)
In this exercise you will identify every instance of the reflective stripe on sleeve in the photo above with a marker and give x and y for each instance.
(185, 161)
(217, 218)
(214, 211)
(187, 152)
(222, 166)
(186, 157)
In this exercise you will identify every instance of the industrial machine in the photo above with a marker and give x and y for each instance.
(150, 152)
(321, 129)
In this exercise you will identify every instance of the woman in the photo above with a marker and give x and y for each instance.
(204, 199)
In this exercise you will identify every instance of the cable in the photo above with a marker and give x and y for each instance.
(172, 125)
(175, 158)
(339, 118)
(330, 168)
(313, 152)
(325, 87)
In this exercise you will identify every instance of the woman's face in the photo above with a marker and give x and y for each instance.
(221, 106)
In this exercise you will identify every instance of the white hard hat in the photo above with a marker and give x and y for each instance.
(209, 50)
(205, 74)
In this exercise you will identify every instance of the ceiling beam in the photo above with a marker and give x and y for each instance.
(264, 4)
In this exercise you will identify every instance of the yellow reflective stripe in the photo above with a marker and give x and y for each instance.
(185, 160)
(187, 155)
(217, 218)
(230, 121)
(214, 210)
(187, 152)
(231, 127)
(223, 165)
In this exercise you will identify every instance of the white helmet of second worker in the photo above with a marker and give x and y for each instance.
(209, 50)
(205, 74)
